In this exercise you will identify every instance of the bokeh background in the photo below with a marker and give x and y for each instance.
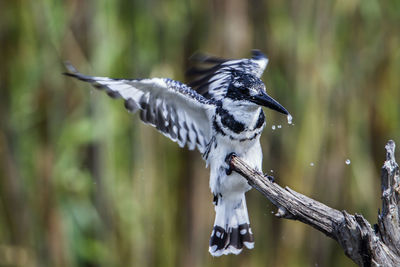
(85, 183)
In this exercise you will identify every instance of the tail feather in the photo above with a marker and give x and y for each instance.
(231, 230)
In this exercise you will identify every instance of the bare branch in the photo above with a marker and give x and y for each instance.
(366, 246)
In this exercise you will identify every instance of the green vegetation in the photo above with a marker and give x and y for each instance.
(84, 183)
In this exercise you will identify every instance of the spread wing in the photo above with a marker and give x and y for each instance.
(212, 78)
(173, 108)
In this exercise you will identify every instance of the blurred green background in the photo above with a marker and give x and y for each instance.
(85, 183)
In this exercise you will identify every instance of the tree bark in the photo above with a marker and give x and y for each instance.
(365, 245)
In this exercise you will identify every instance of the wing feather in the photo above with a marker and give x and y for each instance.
(173, 108)
(214, 75)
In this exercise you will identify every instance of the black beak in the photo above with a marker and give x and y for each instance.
(265, 100)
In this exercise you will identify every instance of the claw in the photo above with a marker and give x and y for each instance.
(228, 159)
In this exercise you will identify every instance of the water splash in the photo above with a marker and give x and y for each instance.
(289, 119)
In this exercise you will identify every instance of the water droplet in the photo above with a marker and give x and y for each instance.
(312, 164)
(279, 126)
(273, 127)
(347, 162)
(289, 119)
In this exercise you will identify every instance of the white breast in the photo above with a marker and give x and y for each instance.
(249, 151)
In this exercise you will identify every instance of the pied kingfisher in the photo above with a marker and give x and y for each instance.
(219, 113)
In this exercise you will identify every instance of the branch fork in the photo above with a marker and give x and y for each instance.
(365, 245)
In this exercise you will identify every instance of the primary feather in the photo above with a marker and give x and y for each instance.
(172, 107)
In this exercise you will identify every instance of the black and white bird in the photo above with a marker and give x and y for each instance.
(219, 114)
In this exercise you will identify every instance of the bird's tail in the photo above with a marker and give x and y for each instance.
(231, 230)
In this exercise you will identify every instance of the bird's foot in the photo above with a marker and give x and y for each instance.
(228, 160)
(270, 178)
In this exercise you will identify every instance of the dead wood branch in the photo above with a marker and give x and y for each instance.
(365, 245)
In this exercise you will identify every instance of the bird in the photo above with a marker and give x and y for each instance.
(220, 113)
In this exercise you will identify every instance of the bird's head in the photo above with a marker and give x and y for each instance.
(250, 89)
